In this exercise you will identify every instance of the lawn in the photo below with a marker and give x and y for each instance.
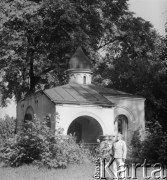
(74, 172)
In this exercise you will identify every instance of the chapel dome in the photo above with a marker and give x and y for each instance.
(79, 61)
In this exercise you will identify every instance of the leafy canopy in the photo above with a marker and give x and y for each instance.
(38, 37)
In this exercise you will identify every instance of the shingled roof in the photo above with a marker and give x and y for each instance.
(83, 95)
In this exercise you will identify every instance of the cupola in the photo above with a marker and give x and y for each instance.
(80, 68)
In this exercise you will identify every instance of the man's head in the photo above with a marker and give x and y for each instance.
(106, 137)
(119, 136)
(112, 137)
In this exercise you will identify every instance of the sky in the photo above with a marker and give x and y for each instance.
(154, 11)
(10, 110)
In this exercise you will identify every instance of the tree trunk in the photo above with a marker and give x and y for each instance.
(31, 70)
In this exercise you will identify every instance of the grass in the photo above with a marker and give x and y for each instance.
(74, 172)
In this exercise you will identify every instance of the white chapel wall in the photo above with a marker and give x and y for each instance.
(68, 113)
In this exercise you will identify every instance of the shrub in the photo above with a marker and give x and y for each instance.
(163, 150)
(153, 147)
(39, 145)
(7, 128)
(135, 148)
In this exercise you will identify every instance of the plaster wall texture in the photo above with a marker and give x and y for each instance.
(133, 109)
(79, 78)
(68, 113)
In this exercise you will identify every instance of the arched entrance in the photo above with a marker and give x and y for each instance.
(29, 115)
(86, 129)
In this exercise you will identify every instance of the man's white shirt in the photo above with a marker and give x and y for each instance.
(120, 149)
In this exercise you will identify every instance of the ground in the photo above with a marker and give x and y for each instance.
(73, 172)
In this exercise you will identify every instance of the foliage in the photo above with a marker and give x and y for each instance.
(137, 64)
(7, 128)
(153, 147)
(135, 148)
(38, 37)
(38, 144)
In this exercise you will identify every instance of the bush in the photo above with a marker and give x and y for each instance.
(153, 147)
(7, 128)
(135, 148)
(39, 145)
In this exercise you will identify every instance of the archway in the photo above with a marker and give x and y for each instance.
(29, 115)
(86, 129)
(121, 125)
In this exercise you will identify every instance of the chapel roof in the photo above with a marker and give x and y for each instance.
(84, 95)
(79, 61)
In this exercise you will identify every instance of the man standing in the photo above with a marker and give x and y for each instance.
(120, 152)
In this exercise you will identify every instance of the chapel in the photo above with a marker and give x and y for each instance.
(83, 109)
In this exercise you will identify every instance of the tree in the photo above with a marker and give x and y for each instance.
(38, 37)
(136, 63)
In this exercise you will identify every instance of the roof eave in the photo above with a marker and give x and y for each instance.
(89, 104)
(124, 96)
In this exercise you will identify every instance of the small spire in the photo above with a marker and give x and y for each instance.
(79, 60)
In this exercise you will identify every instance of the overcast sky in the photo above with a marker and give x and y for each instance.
(154, 11)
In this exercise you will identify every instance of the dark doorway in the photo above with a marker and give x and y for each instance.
(86, 129)
(28, 117)
(76, 130)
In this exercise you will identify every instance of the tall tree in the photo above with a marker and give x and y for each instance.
(37, 37)
(136, 63)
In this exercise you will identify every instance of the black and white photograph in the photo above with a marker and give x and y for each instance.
(83, 89)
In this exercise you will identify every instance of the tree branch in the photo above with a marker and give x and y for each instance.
(107, 43)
